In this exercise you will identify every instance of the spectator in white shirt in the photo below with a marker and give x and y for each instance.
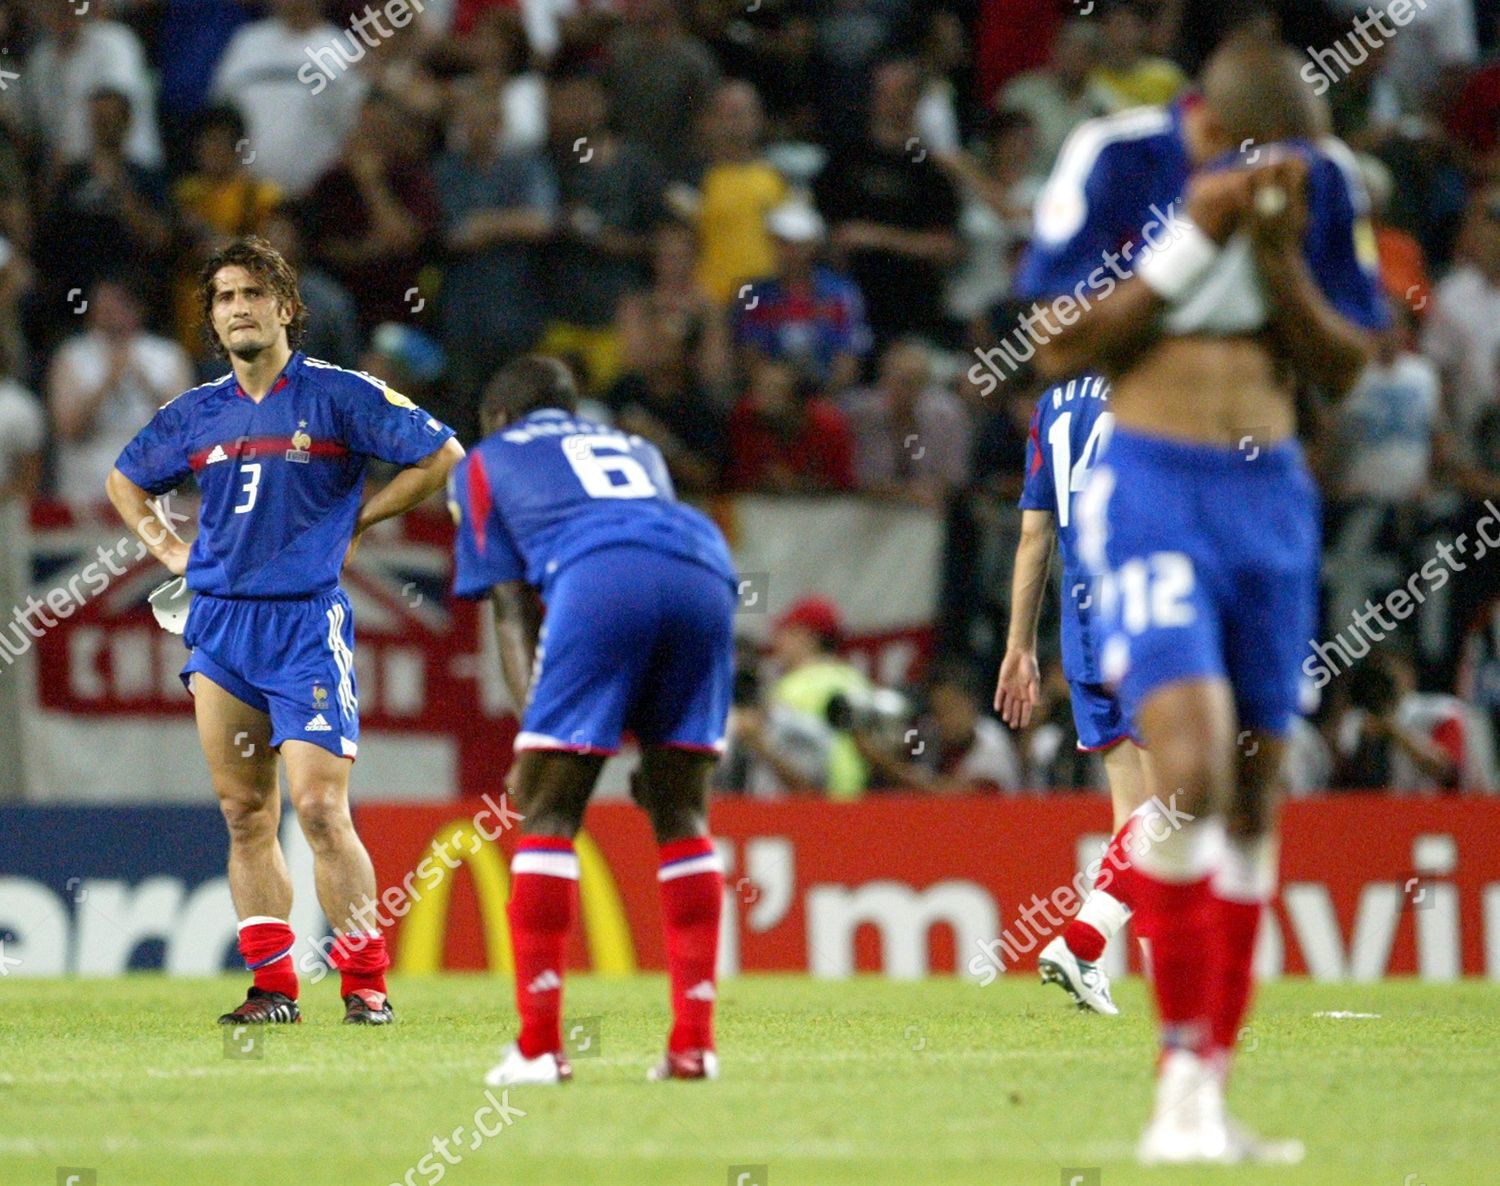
(292, 77)
(104, 385)
(1387, 423)
(80, 55)
(1462, 335)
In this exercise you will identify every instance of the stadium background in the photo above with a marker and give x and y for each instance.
(626, 184)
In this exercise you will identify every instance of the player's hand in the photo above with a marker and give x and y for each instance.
(1018, 688)
(1218, 202)
(1278, 205)
(175, 557)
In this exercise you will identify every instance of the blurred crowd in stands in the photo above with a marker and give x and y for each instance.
(771, 236)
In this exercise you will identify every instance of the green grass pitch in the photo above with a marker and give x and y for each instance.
(865, 1081)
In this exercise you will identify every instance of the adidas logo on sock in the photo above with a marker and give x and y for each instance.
(317, 725)
(702, 991)
(548, 981)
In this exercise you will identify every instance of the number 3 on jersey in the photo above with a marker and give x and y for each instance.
(612, 474)
(1068, 476)
(250, 471)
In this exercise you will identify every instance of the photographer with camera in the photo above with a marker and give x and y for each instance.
(771, 748)
(817, 683)
(1393, 736)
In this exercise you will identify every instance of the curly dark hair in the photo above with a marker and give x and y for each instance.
(265, 263)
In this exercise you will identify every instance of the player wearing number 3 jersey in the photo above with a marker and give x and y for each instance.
(638, 633)
(279, 448)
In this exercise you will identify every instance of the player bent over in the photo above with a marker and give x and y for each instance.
(279, 448)
(1202, 517)
(1069, 431)
(638, 633)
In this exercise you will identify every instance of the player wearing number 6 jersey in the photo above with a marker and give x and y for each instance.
(1069, 432)
(279, 448)
(638, 633)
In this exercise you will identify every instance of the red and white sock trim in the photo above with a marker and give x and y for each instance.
(548, 855)
(683, 858)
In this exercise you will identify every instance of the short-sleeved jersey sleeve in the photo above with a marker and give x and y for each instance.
(484, 554)
(156, 459)
(381, 422)
(1340, 247)
(1072, 229)
(1038, 493)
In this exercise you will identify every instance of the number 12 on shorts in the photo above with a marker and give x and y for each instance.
(1155, 590)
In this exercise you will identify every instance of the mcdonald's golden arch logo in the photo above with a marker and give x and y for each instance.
(423, 934)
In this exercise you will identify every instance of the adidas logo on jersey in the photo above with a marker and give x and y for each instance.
(317, 725)
(702, 991)
(548, 981)
(217, 454)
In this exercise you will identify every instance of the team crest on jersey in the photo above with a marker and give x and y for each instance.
(301, 443)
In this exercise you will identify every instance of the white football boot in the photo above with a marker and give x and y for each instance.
(1188, 1125)
(516, 1070)
(1086, 983)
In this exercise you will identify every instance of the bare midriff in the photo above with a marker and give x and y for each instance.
(1207, 390)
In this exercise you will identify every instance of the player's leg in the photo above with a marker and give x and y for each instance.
(318, 780)
(1071, 959)
(673, 788)
(596, 640)
(236, 740)
(550, 789)
(1176, 848)
(1244, 882)
(680, 718)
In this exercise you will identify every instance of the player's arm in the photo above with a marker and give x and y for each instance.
(135, 507)
(1121, 319)
(1323, 346)
(518, 622)
(411, 487)
(1019, 684)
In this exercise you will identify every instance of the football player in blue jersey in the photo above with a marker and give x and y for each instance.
(1069, 433)
(1249, 268)
(279, 448)
(637, 634)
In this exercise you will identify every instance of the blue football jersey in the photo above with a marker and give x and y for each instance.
(1113, 192)
(281, 480)
(535, 496)
(1069, 431)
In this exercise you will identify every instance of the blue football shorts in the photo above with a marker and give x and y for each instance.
(1208, 559)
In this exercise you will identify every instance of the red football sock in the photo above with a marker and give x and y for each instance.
(1084, 941)
(1243, 884)
(543, 901)
(1238, 923)
(692, 895)
(1116, 872)
(266, 944)
(1180, 917)
(361, 959)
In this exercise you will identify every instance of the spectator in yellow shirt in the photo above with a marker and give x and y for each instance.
(1127, 74)
(739, 188)
(216, 202)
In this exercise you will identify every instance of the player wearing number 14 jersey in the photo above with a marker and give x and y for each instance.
(638, 633)
(1069, 432)
(279, 448)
